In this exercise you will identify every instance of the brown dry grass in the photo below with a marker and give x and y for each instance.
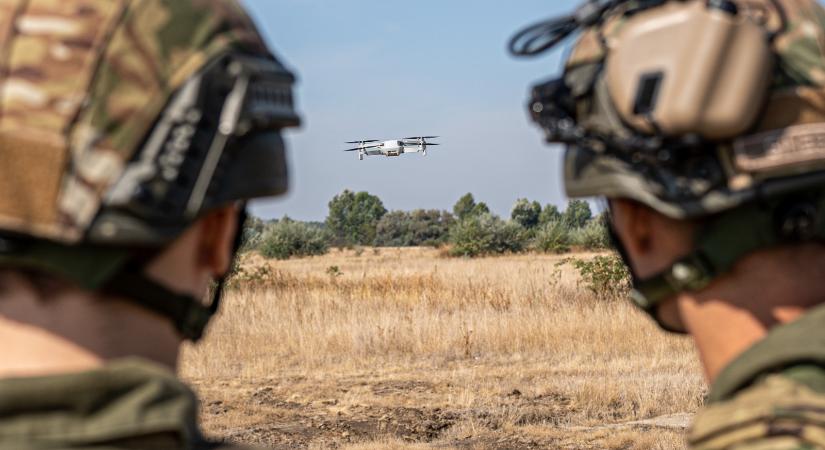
(406, 349)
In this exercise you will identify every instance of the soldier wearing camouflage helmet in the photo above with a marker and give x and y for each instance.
(131, 134)
(703, 124)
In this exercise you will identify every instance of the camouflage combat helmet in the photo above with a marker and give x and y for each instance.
(700, 109)
(121, 123)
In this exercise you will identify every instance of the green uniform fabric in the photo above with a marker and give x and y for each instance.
(128, 404)
(772, 396)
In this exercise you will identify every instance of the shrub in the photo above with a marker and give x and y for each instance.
(419, 227)
(550, 213)
(257, 275)
(287, 238)
(552, 237)
(605, 276)
(592, 236)
(253, 229)
(486, 234)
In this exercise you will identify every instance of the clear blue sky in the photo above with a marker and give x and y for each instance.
(384, 69)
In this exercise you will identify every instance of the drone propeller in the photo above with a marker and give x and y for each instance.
(362, 148)
(428, 144)
(420, 137)
(358, 142)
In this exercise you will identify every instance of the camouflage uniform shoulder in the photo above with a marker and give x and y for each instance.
(772, 396)
(129, 404)
(781, 411)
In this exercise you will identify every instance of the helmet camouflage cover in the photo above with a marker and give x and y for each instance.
(711, 109)
(83, 83)
(121, 122)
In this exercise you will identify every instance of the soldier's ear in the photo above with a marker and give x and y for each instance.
(217, 239)
(632, 223)
(652, 240)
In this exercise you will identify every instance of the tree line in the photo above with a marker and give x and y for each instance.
(470, 229)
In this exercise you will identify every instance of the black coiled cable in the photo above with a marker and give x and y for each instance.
(543, 36)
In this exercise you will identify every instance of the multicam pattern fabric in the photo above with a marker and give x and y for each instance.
(129, 404)
(802, 46)
(772, 396)
(81, 83)
(777, 413)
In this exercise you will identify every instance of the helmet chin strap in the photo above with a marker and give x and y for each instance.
(725, 239)
(189, 314)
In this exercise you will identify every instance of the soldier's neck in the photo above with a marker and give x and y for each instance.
(72, 330)
(767, 289)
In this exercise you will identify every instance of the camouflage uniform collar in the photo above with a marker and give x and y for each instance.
(799, 342)
(123, 401)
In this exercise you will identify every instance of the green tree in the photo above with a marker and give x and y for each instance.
(480, 208)
(526, 213)
(550, 213)
(353, 217)
(464, 206)
(467, 207)
(577, 214)
(393, 230)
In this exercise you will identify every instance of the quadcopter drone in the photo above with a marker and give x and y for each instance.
(373, 147)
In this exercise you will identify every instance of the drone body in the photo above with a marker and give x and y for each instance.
(395, 147)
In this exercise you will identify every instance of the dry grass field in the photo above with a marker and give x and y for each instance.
(406, 349)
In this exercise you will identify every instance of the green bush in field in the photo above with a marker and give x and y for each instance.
(287, 238)
(252, 232)
(605, 276)
(419, 227)
(552, 237)
(486, 234)
(592, 236)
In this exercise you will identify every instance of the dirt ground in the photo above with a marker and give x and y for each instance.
(405, 349)
(403, 409)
